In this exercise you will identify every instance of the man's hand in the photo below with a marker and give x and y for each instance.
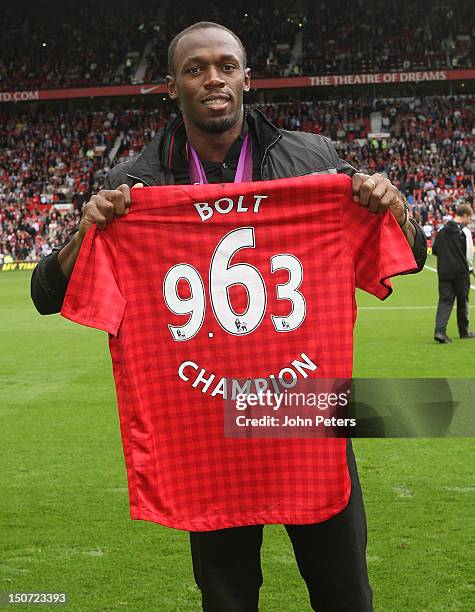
(101, 209)
(377, 193)
(104, 207)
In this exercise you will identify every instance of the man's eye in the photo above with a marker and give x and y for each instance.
(228, 67)
(194, 70)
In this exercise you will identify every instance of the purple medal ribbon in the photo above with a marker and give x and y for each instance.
(243, 171)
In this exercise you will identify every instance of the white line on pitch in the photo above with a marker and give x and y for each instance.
(400, 307)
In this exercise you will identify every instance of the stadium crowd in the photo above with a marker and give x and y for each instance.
(380, 36)
(267, 31)
(64, 43)
(49, 158)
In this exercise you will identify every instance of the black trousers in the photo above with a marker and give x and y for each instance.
(331, 558)
(449, 289)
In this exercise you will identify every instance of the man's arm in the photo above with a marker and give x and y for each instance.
(469, 247)
(377, 193)
(50, 278)
(419, 248)
(48, 284)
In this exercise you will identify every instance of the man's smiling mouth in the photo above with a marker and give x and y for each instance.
(216, 101)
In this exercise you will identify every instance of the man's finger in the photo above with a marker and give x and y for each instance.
(357, 180)
(116, 197)
(376, 194)
(386, 201)
(98, 209)
(92, 214)
(101, 222)
(105, 207)
(390, 199)
(125, 190)
(366, 190)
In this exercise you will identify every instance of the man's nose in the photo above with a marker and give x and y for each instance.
(213, 78)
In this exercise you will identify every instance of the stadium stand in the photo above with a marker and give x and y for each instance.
(64, 43)
(51, 161)
(53, 156)
(372, 36)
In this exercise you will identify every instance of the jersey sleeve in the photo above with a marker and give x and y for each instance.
(378, 247)
(93, 297)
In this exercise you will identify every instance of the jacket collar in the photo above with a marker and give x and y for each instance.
(265, 132)
(153, 165)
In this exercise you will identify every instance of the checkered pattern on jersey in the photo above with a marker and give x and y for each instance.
(182, 471)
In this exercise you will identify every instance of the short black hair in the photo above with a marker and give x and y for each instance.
(201, 25)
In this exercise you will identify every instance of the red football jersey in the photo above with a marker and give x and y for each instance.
(201, 287)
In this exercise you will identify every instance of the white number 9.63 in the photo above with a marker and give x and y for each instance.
(222, 276)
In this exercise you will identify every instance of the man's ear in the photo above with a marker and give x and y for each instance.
(247, 79)
(171, 86)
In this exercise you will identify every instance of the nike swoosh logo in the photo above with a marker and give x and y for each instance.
(146, 90)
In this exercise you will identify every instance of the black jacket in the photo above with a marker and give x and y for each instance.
(284, 154)
(450, 247)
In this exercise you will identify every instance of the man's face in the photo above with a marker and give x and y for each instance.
(209, 79)
(466, 219)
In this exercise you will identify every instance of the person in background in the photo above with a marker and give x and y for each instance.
(428, 230)
(453, 248)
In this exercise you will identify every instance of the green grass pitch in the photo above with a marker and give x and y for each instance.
(64, 521)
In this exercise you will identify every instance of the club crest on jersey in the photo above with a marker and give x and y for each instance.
(241, 326)
(224, 206)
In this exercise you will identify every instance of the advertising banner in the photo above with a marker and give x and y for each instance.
(328, 80)
(17, 265)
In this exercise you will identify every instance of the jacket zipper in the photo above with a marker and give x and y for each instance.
(138, 179)
(279, 136)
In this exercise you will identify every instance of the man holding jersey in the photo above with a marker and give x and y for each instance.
(216, 139)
